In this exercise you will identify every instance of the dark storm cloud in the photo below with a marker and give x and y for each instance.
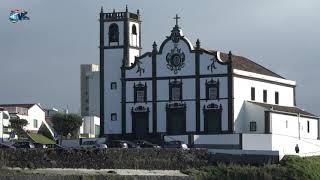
(40, 58)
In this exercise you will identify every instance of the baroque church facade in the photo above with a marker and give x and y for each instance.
(181, 89)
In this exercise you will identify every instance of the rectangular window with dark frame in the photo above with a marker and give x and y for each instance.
(175, 90)
(265, 96)
(308, 126)
(212, 89)
(113, 116)
(276, 97)
(140, 92)
(253, 126)
(113, 85)
(253, 94)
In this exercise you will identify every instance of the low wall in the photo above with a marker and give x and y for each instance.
(217, 141)
(105, 158)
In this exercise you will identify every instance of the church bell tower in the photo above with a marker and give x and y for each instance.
(120, 43)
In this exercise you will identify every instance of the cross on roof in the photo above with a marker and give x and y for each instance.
(177, 19)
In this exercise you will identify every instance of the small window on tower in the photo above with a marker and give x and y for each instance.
(113, 85)
(265, 96)
(113, 116)
(134, 29)
(113, 33)
(253, 94)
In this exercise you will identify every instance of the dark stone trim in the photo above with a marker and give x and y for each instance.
(154, 90)
(133, 113)
(101, 50)
(182, 100)
(293, 114)
(197, 85)
(206, 121)
(240, 141)
(215, 55)
(169, 111)
(230, 96)
(318, 125)
(136, 60)
(113, 47)
(218, 146)
(176, 77)
(294, 96)
(123, 75)
(263, 80)
(267, 128)
(121, 19)
(182, 38)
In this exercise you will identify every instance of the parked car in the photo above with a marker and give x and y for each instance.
(24, 144)
(6, 146)
(145, 144)
(175, 144)
(122, 144)
(93, 144)
(54, 146)
(40, 146)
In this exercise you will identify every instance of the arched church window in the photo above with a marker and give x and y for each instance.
(212, 90)
(113, 33)
(140, 92)
(175, 90)
(134, 30)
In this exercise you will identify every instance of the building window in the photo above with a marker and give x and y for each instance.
(113, 116)
(113, 33)
(175, 90)
(276, 97)
(308, 126)
(287, 125)
(253, 126)
(212, 89)
(265, 96)
(113, 85)
(5, 116)
(253, 94)
(35, 123)
(140, 92)
(134, 29)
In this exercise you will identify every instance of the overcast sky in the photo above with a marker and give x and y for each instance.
(40, 58)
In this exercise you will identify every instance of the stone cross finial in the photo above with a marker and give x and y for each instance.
(177, 19)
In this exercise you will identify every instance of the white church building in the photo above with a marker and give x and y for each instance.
(205, 97)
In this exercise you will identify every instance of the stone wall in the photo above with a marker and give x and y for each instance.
(121, 158)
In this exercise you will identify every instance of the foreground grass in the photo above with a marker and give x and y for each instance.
(291, 167)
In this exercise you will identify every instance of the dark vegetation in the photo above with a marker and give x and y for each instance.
(291, 167)
(67, 124)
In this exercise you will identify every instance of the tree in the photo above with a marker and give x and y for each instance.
(17, 125)
(64, 124)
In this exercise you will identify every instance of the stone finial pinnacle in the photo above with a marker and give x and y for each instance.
(230, 56)
(154, 45)
(198, 43)
(101, 11)
(126, 7)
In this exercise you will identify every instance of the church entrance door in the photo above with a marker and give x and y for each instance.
(176, 119)
(212, 120)
(140, 124)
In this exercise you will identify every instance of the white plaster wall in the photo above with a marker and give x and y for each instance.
(286, 145)
(188, 69)
(252, 113)
(242, 92)
(161, 117)
(121, 32)
(94, 93)
(35, 112)
(88, 125)
(257, 142)
(134, 39)
(163, 90)
(293, 130)
(217, 139)
(146, 65)
(112, 99)
(136, 53)
(205, 61)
